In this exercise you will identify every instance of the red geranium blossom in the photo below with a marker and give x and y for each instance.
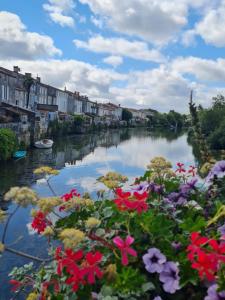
(16, 284)
(192, 170)
(40, 222)
(68, 260)
(180, 168)
(125, 201)
(206, 255)
(77, 268)
(68, 196)
(91, 268)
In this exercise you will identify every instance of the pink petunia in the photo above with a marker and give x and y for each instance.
(124, 247)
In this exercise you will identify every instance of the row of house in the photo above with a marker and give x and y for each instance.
(31, 95)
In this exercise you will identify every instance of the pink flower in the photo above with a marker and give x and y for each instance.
(124, 247)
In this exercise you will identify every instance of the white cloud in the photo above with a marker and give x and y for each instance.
(97, 22)
(159, 88)
(113, 60)
(59, 11)
(211, 27)
(17, 42)
(202, 69)
(73, 74)
(120, 46)
(155, 21)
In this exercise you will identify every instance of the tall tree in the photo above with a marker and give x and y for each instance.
(28, 82)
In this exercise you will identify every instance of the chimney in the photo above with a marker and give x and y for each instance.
(16, 69)
(38, 79)
(28, 75)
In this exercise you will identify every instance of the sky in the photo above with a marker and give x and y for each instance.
(137, 53)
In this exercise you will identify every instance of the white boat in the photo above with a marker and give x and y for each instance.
(44, 144)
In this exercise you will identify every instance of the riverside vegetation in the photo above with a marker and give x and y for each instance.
(8, 143)
(212, 123)
(161, 237)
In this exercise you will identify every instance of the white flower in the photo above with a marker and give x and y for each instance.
(193, 205)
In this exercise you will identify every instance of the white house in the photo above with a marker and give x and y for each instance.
(78, 104)
(62, 100)
(116, 111)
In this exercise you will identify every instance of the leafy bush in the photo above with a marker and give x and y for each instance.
(126, 115)
(8, 143)
(213, 124)
(78, 120)
(217, 138)
(161, 238)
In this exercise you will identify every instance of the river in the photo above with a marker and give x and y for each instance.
(126, 151)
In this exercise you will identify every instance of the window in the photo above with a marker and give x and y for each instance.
(5, 92)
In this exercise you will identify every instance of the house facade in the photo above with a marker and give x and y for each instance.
(62, 100)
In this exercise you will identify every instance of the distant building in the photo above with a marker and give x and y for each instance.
(139, 116)
(28, 93)
(117, 111)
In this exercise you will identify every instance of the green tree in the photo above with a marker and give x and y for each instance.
(126, 115)
(8, 143)
(218, 101)
(28, 82)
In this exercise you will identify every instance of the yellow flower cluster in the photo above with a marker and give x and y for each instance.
(159, 163)
(46, 171)
(23, 196)
(160, 167)
(112, 180)
(48, 231)
(47, 204)
(2, 216)
(71, 237)
(92, 223)
(32, 296)
(77, 202)
(2, 247)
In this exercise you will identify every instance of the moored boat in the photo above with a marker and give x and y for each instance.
(44, 144)
(19, 154)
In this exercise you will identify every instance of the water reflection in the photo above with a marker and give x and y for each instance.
(87, 157)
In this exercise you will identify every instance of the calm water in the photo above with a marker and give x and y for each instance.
(125, 151)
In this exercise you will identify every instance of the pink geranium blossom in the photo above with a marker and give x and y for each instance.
(124, 247)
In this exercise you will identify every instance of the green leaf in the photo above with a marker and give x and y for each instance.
(148, 286)
(108, 212)
(100, 232)
(106, 291)
(193, 223)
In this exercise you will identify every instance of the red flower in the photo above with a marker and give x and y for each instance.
(70, 195)
(124, 247)
(125, 201)
(192, 170)
(16, 284)
(40, 222)
(73, 193)
(180, 168)
(206, 265)
(206, 255)
(91, 268)
(68, 261)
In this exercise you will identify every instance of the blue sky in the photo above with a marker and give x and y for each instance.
(139, 53)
